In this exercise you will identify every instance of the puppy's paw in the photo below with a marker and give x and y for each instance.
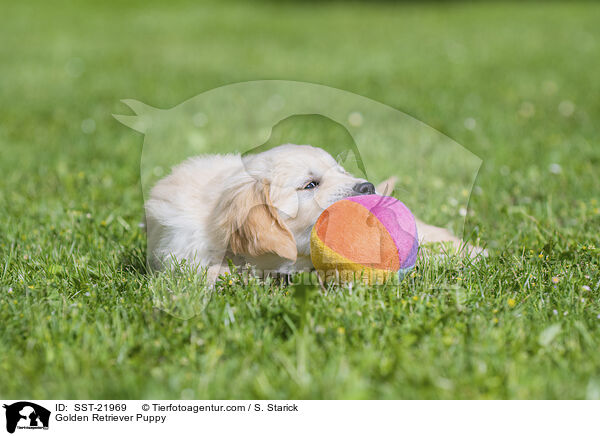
(387, 186)
(457, 249)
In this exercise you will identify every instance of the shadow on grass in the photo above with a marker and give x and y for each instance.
(134, 261)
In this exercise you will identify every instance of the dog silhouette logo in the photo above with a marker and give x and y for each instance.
(26, 415)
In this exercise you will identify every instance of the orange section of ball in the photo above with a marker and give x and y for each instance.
(355, 233)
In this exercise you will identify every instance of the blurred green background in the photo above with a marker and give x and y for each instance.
(515, 83)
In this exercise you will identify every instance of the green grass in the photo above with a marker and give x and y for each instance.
(77, 318)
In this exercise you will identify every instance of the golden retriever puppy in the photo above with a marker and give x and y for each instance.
(257, 209)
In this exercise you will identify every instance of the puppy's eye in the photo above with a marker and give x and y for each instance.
(311, 185)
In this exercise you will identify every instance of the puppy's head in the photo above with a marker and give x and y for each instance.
(283, 192)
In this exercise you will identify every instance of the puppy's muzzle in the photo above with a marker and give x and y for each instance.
(364, 188)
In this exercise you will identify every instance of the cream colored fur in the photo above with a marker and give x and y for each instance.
(253, 210)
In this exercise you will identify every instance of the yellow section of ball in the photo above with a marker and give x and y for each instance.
(332, 266)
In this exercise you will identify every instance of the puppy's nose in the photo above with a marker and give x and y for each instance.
(364, 188)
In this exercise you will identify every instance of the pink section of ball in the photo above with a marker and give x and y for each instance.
(398, 220)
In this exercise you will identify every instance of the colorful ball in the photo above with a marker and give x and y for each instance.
(371, 238)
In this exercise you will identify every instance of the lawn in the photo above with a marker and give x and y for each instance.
(516, 84)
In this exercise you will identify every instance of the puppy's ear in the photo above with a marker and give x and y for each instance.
(254, 226)
(284, 199)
